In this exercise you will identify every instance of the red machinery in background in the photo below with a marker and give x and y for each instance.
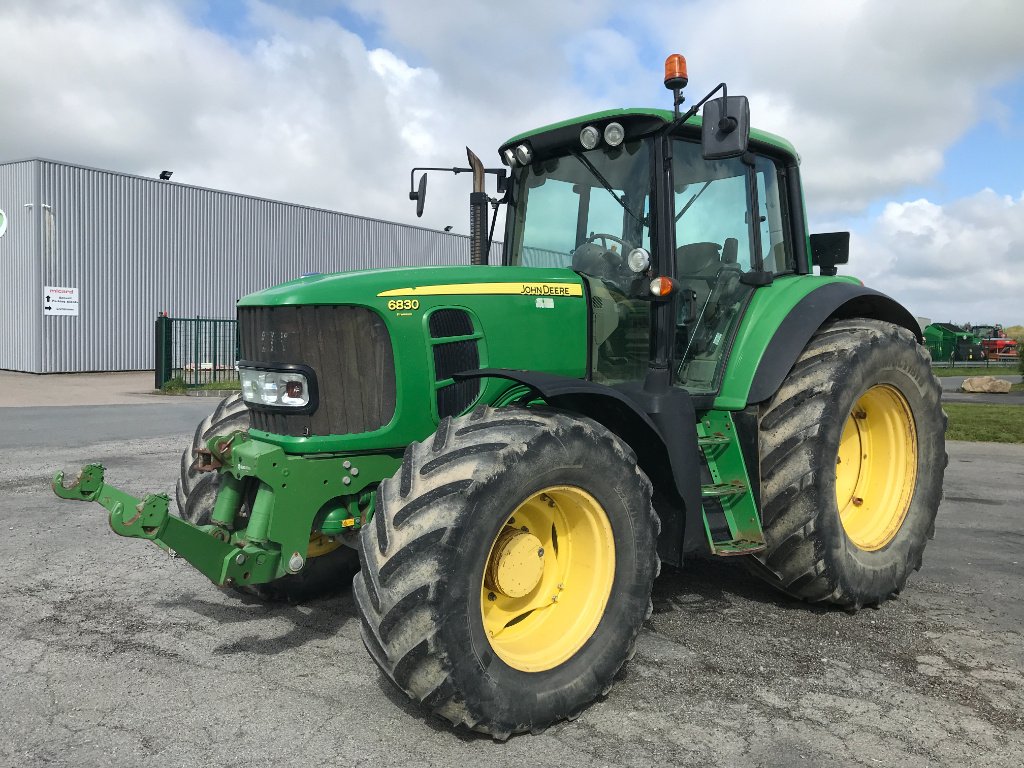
(995, 344)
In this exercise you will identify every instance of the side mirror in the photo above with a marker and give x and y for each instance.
(420, 195)
(725, 130)
(829, 249)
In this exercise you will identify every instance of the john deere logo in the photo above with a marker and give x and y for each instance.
(3, 223)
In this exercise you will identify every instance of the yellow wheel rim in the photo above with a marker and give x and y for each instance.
(548, 577)
(876, 467)
(321, 545)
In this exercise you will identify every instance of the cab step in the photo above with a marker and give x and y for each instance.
(717, 490)
(731, 519)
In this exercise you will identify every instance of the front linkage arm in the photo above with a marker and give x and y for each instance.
(295, 496)
(149, 518)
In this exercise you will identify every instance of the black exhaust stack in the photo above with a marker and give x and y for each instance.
(477, 213)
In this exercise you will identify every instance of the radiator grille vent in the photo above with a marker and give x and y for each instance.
(455, 357)
(455, 398)
(451, 357)
(450, 322)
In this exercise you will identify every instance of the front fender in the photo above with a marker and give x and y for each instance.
(657, 423)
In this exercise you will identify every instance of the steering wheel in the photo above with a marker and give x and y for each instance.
(604, 237)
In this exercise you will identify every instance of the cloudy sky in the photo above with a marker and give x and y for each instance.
(909, 116)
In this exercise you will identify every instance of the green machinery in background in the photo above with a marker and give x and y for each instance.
(505, 455)
(951, 343)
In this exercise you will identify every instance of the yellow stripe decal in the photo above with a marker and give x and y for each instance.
(489, 289)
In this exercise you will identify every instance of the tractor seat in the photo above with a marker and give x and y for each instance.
(698, 260)
(698, 266)
(709, 270)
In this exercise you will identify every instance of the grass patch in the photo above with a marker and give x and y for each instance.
(985, 423)
(225, 384)
(177, 386)
(963, 370)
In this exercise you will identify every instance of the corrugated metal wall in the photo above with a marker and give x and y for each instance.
(135, 247)
(21, 310)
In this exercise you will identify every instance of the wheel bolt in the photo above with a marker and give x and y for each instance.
(540, 552)
(491, 596)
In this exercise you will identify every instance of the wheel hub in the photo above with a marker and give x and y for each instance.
(517, 563)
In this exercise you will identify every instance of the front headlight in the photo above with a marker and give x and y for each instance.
(288, 389)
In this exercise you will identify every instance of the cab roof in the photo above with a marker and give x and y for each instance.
(650, 115)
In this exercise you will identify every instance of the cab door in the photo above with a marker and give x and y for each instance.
(730, 226)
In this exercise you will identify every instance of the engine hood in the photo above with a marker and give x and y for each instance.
(376, 287)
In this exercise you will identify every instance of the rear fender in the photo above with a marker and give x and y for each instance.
(831, 301)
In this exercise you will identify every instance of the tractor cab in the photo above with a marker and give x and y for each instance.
(672, 239)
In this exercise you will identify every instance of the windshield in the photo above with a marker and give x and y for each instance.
(585, 211)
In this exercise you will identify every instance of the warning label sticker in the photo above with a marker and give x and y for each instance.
(58, 300)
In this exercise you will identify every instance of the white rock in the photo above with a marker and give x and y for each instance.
(985, 384)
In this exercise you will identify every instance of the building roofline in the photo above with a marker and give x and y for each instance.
(226, 192)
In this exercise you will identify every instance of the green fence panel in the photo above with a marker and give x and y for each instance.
(197, 350)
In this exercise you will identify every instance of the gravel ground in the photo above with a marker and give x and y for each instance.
(111, 653)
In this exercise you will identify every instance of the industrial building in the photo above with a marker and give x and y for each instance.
(91, 257)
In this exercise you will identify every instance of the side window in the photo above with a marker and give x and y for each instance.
(777, 252)
(710, 212)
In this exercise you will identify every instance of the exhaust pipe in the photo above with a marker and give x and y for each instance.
(477, 213)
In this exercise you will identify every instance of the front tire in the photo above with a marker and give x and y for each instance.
(329, 565)
(509, 568)
(852, 458)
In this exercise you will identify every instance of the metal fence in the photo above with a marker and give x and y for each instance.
(196, 350)
(1007, 364)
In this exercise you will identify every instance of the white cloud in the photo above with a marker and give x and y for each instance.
(959, 262)
(303, 112)
(873, 93)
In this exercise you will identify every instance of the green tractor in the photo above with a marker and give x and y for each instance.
(505, 455)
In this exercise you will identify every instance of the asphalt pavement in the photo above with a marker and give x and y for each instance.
(112, 653)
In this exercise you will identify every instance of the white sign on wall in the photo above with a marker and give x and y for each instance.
(58, 300)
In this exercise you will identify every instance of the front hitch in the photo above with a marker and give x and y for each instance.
(202, 546)
(129, 516)
(294, 498)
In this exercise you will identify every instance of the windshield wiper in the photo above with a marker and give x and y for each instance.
(693, 199)
(604, 183)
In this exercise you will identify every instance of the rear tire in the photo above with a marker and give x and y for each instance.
(196, 493)
(447, 561)
(852, 458)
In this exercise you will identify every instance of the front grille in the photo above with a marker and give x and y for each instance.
(348, 348)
